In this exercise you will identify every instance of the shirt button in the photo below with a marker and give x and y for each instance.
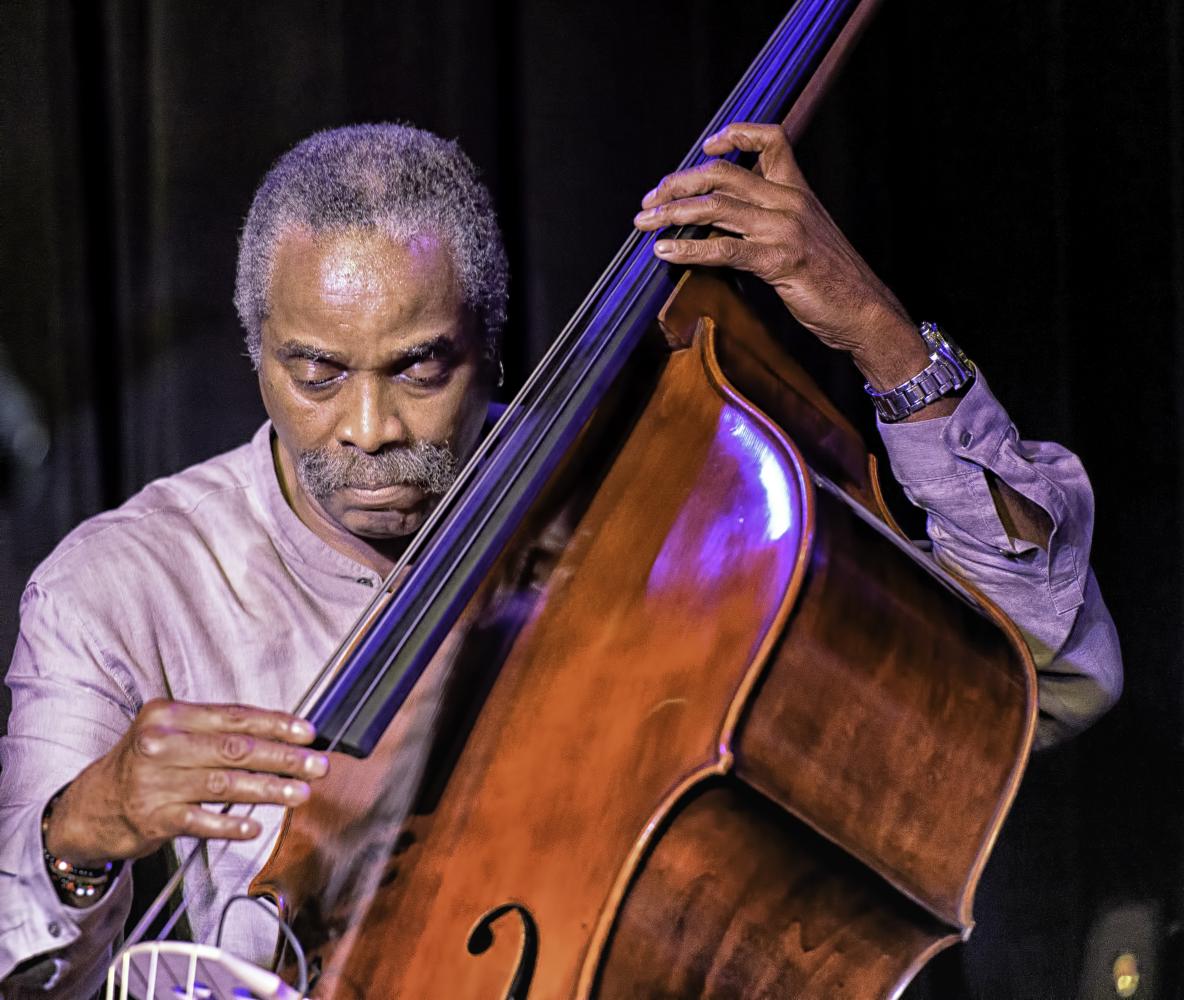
(54, 928)
(965, 438)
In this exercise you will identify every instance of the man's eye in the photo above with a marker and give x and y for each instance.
(426, 373)
(314, 375)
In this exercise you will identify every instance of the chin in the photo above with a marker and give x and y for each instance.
(378, 525)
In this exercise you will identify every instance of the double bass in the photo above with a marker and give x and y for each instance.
(706, 725)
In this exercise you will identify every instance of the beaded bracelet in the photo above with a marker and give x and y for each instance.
(76, 883)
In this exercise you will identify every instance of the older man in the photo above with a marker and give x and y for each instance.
(372, 286)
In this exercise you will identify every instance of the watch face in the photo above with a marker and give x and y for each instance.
(939, 344)
(932, 334)
(959, 362)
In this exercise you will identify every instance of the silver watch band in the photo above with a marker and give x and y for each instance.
(948, 371)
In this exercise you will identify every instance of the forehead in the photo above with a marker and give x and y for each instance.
(363, 276)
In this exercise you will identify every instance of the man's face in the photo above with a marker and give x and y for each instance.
(373, 375)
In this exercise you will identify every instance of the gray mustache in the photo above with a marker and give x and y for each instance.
(431, 467)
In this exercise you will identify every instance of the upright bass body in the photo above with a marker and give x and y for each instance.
(742, 744)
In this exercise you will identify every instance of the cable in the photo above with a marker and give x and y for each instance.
(297, 950)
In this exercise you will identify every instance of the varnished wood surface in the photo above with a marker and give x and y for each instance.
(770, 379)
(786, 912)
(930, 704)
(926, 720)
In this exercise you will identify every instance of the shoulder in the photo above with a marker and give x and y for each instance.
(206, 504)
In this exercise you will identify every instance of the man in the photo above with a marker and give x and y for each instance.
(372, 286)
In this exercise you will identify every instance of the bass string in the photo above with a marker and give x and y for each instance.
(569, 340)
(551, 365)
(525, 401)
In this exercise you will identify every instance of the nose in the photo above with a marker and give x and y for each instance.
(369, 417)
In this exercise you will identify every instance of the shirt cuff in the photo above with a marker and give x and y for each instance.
(35, 922)
(924, 450)
(940, 465)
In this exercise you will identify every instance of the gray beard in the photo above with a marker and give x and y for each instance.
(430, 467)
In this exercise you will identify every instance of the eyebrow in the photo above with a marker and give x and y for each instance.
(298, 350)
(441, 345)
(295, 349)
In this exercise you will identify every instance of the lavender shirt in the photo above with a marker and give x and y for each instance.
(205, 586)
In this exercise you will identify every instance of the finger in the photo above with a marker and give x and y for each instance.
(720, 251)
(228, 719)
(230, 785)
(240, 751)
(775, 159)
(713, 209)
(716, 175)
(187, 820)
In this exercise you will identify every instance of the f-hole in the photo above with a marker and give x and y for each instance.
(481, 938)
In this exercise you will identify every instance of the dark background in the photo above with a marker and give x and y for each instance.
(1014, 169)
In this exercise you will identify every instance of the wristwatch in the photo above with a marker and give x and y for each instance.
(948, 371)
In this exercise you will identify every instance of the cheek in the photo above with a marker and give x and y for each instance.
(456, 414)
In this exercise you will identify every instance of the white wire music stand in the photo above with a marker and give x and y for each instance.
(179, 970)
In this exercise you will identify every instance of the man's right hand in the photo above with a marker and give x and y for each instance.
(150, 787)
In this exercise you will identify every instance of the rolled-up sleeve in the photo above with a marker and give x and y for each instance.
(69, 707)
(1051, 594)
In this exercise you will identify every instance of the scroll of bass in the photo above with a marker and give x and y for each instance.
(729, 736)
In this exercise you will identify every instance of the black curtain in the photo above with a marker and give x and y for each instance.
(1014, 170)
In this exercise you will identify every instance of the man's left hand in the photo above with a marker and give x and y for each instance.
(782, 234)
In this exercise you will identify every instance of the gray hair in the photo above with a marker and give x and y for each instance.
(395, 178)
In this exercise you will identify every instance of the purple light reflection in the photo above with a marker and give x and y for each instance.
(761, 509)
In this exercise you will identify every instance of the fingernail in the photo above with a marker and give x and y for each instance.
(317, 764)
(296, 790)
(304, 729)
(644, 216)
(246, 828)
(664, 246)
(650, 196)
